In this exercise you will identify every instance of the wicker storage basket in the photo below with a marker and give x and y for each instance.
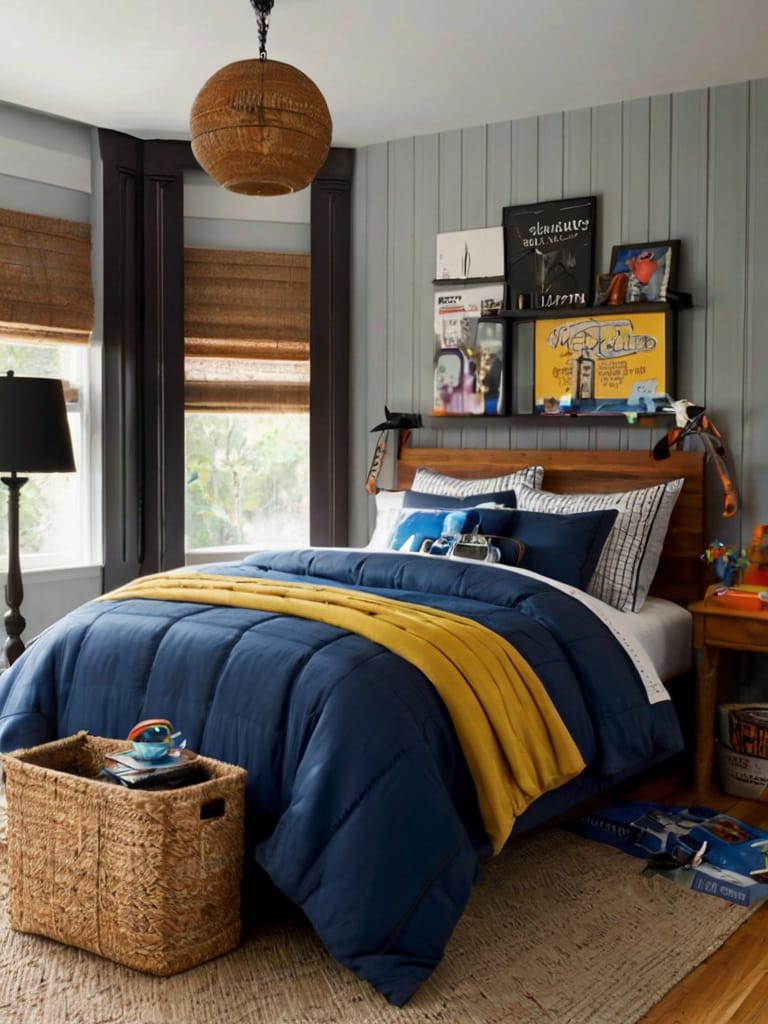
(150, 879)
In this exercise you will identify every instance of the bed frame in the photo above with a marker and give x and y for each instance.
(680, 574)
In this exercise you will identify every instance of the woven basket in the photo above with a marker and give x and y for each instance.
(150, 879)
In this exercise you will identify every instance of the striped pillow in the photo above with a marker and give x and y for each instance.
(430, 482)
(631, 553)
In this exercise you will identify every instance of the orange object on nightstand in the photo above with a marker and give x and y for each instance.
(743, 598)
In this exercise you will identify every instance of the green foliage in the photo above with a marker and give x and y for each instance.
(247, 479)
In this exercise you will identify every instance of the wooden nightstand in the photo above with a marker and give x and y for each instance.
(718, 627)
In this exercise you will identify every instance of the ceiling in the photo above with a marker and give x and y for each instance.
(388, 70)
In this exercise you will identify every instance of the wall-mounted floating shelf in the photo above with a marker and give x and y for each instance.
(682, 301)
(650, 420)
(453, 282)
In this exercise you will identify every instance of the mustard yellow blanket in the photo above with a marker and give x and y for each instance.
(513, 739)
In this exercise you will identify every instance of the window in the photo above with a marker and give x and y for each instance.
(246, 399)
(247, 480)
(55, 514)
(46, 318)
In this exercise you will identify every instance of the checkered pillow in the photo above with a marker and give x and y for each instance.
(629, 559)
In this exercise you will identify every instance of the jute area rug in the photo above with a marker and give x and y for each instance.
(559, 931)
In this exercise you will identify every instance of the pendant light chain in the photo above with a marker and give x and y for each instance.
(263, 9)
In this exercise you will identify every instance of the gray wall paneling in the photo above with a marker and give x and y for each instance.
(726, 273)
(755, 405)
(426, 202)
(690, 165)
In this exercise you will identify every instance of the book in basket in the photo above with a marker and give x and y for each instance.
(177, 768)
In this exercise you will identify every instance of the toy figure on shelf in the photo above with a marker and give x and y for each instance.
(691, 421)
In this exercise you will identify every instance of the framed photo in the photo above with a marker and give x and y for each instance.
(549, 253)
(604, 364)
(649, 269)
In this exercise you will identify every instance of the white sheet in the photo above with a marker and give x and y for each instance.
(657, 638)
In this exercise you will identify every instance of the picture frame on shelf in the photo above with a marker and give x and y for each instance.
(549, 253)
(473, 379)
(471, 254)
(645, 271)
(458, 307)
(493, 365)
(604, 364)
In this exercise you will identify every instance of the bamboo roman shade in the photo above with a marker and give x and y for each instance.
(246, 329)
(46, 293)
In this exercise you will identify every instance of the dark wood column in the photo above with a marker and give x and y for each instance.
(143, 354)
(144, 483)
(122, 333)
(330, 233)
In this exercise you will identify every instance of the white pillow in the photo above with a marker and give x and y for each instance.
(430, 482)
(388, 507)
(631, 553)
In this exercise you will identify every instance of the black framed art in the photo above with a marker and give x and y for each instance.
(549, 253)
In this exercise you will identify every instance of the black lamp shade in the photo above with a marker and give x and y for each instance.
(34, 432)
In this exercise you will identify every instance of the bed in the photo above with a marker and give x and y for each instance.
(373, 793)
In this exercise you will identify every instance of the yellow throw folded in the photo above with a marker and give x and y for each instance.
(513, 739)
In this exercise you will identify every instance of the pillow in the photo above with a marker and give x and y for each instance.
(429, 482)
(420, 499)
(629, 559)
(418, 525)
(562, 547)
(389, 505)
(414, 526)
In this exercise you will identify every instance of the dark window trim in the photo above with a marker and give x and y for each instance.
(143, 337)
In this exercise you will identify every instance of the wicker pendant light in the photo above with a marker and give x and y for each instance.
(260, 127)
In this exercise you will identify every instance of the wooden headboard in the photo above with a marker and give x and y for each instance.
(679, 576)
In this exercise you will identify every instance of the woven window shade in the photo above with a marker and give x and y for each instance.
(46, 292)
(246, 328)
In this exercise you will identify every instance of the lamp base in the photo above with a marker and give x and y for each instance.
(14, 591)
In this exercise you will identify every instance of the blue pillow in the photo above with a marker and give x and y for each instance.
(563, 547)
(418, 499)
(416, 526)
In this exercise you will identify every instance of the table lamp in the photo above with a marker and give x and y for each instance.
(34, 438)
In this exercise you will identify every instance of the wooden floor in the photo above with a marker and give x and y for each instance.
(731, 987)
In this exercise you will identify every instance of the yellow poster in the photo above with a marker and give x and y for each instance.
(601, 363)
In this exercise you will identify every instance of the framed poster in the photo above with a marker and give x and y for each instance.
(549, 253)
(603, 364)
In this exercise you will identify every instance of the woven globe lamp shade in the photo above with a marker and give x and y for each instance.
(260, 127)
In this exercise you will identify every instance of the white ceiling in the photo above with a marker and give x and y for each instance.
(388, 70)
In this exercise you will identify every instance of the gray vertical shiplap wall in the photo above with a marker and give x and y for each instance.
(691, 166)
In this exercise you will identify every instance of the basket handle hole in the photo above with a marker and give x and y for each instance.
(212, 809)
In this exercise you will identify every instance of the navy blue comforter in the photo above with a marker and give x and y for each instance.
(359, 803)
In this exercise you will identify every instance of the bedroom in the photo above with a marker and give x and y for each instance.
(687, 163)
